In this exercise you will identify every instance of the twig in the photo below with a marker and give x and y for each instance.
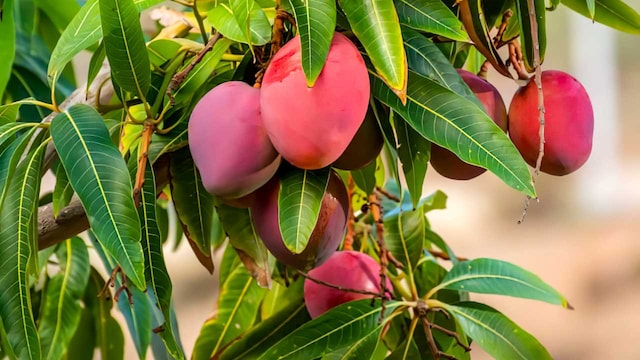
(444, 256)
(376, 212)
(198, 17)
(338, 287)
(143, 157)
(515, 59)
(497, 40)
(452, 334)
(111, 281)
(348, 239)
(179, 77)
(538, 81)
(387, 194)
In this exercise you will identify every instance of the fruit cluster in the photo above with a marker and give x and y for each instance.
(568, 130)
(239, 136)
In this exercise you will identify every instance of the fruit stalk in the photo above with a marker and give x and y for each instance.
(538, 79)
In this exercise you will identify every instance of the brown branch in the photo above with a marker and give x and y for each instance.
(387, 194)
(147, 131)
(351, 220)
(444, 256)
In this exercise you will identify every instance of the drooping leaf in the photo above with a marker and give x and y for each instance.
(489, 276)
(376, 24)
(404, 236)
(137, 315)
(262, 336)
(125, 46)
(244, 238)
(457, 124)
(7, 44)
(365, 178)
(62, 310)
(339, 327)
(431, 16)
(238, 304)
(427, 60)
(495, 333)
(98, 174)
(11, 150)
(316, 20)
(414, 152)
(9, 112)
(223, 18)
(109, 337)
(471, 14)
(428, 274)
(21, 203)
(613, 13)
(299, 201)
(363, 348)
(526, 27)
(83, 341)
(155, 268)
(194, 205)
(95, 64)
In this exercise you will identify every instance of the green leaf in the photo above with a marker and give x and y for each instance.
(125, 46)
(11, 150)
(62, 190)
(591, 6)
(60, 12)
(99, 175)
(339, 327)
(9, 113)
(223, 18)
(526, 36)
(82, 32)
(471, 14)
(244, 238)
(7, 44)
(174, 140)
(495, 333)
(427, 60)
(194, 205)
(365, 178)
(155, 269)
(404, 236)
(299, 201)
(262, 336)
(428, 274)
(414, 152)
(376, 25)
(137, 315)
(363, 348)
(62, 310)
(95, 64)
(316, 21)
(16, 215)
(613, 13)
(431, 16)
(457, 124)
(489, 276)
(109, 337)
(83, 341)
(238, 305)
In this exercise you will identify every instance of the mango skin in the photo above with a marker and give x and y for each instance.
(568, 130)
(364, 147)
(325, 237)
(229, 143)
(448, 164)
(311, 127)
(349, 269)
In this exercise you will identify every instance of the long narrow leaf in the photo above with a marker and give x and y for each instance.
(64, 291)
(125, 46)
(7, 44)
(299, 201)
(16, 214)
(495, 333)
(613, 13)
(489, 276)
(431, 16)
(316, 21)
(155, 268)
(340, 327)
(99, 176)
(457, 124)
(376, 24)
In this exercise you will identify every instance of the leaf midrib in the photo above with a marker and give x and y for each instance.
(100, 187)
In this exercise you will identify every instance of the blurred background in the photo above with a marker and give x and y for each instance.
(582, 237)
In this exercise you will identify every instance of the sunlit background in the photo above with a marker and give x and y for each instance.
(582, 237)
